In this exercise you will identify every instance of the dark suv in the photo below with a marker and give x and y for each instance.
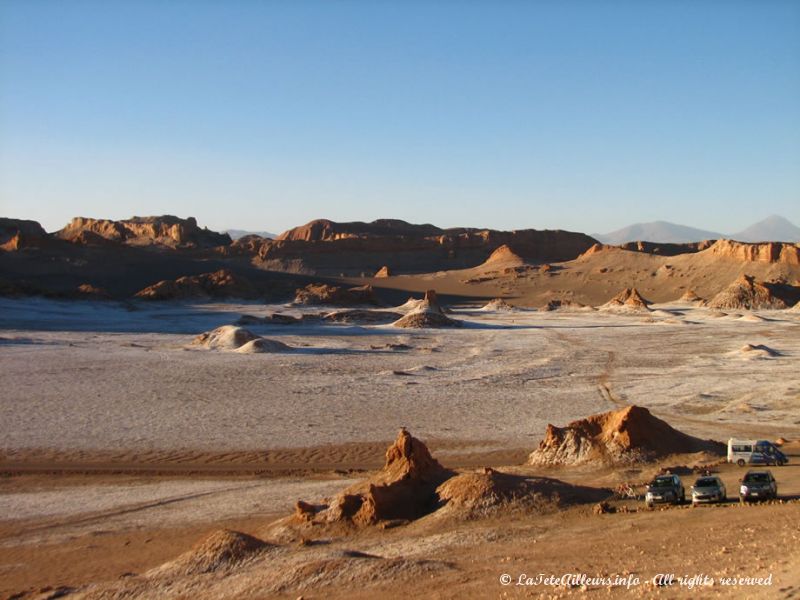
(665, 488)
(758, 485)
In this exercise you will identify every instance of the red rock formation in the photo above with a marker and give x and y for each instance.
(322, 293)
(629, 298)
(16, 234)
(221, 550)
(220, 284)
(690, 297)
(771, 252)
(165, 230)
(404, 489)
(504, 256)
(87, 290)
(597, 248)
(383, 272)
(498, 304)
(323, 230)
(631, 434)
(326, 247)
(480, 493)
(746, 293)
(247, 245)
(427, 314)
(562, 304)
(664, 249)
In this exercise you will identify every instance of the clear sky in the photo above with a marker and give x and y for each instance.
(581, 115)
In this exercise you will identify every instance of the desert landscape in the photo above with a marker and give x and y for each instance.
(348, 300)
(224, 433)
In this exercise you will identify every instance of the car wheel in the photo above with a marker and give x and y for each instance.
(740, 462)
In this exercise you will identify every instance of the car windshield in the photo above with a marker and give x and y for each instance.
(705, 482)
(756, 478)
(662, 482)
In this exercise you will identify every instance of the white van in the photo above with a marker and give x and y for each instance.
(755, 452)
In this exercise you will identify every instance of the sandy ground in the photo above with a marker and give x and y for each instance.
(122, 445)
(101, 536)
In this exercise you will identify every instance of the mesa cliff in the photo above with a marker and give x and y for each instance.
(360, 249)
(165, 230)
(167, 257)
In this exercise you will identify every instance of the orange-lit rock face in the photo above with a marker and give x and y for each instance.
(746, 293)
(630, 434)
(165, 230)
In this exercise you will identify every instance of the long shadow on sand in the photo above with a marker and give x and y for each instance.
(38, 314)
(497, 326)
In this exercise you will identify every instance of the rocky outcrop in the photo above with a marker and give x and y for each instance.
(498, 305)
(17, 234)
(690, 297)
(631, 434)
(220, 284)
(479, 493)
(231, 337)
(383, 272)
(757, 351)
(427, 314)
(628, 299)
(667, 249)
(404, 489)
(247, 245)
(324, 294)
(227, 337)
(597, 248)
(770, 252)
(165, 230)
(426, 320)
(89, 291)
(329, 248)
(272, 319)
(357, 316)
(220, 551)
(563, 304)
(503, 256)
(747, 293)
(413, 484)
(262, 346)
(323, 230)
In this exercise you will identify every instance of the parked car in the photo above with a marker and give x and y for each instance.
(665, 488)
(755, 452)
(708, 489)
(758, 485)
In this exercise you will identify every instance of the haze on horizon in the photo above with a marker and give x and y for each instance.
(579, 116)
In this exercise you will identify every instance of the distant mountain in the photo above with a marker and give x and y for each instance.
(657, 231)
(240, 233)
(771, 229)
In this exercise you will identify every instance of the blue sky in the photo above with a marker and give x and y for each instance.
(263, 115)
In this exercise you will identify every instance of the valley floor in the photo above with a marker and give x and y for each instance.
(121, 444)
